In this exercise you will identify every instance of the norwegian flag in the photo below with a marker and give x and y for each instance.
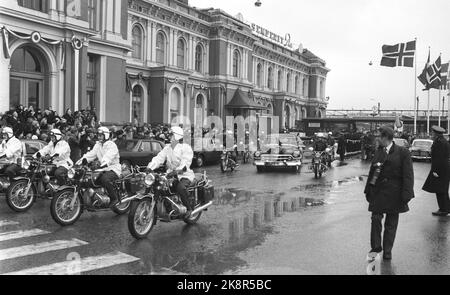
(399, 55)
(434, 75)
(444, 76)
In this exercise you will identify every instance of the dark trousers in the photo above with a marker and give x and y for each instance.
(61, 175)
(107, 179)
(443, 202)
(390, 230)
(11, 171)
(181, 189)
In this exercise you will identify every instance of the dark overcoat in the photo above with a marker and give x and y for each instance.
(395, 185)
(439, 164)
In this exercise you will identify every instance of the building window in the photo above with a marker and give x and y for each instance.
(92, 14)
(91, 99)
(236, 64)
(39, 5)
(136, 42)
(270, 78)
(280, 79)
(175, 104)
(288, 82)
(296, 85)
(198, 58)
(269, 109)
(137, 104)
(321, 89)
(160, 48)
(258, 74)
(304, 87)
(180, 53)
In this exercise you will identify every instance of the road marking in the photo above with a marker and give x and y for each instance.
(28, 250)
(12, 235)
(83, 265)
(7, 222)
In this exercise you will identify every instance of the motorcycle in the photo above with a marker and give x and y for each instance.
(159, 201)
(368, 152)
(318, 162)
(84, 193)
(33, 182)
(330, 155)
(226, 161)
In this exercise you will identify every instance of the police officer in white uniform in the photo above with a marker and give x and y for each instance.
(106, 151)
(57, 151)
(178, 157)
(11, 150)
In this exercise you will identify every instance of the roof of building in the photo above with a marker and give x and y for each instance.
(241, 100)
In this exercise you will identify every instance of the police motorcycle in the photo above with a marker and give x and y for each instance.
(159, 201)
(34, 181)
(318, 163)
(83, 193)
(226, 160)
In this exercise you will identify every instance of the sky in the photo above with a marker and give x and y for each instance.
(348, 34)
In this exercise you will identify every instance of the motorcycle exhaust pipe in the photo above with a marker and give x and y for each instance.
(201, 208)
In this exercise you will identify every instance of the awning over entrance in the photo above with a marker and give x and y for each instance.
(241, 101)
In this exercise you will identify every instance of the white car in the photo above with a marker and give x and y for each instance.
(421, 149)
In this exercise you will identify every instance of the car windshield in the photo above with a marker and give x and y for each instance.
(284, 139)
(422, 143)
(128, 146)
(400, 142)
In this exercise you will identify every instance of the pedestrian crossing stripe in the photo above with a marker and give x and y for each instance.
(27, 250)
(7, 222)
(12, 235)
(76, 267)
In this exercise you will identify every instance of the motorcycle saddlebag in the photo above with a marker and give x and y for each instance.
(136, 184)
(206, 194)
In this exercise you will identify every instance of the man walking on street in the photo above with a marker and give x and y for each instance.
(439, 177)
(388, 190)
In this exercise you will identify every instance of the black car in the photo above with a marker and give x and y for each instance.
(139, 151)
(206, 152)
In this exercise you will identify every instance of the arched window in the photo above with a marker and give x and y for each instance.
(296, 84)
(175, 103)
(200, 112)
(288, 82)
(160, 48)
(304, 113)
(137, 104)
(136, 42)
(280, 79)
(269, 109)
(180, 53)
(199, 58)
(236, 64)
(270, 78)
(258, 74)
(287, 117)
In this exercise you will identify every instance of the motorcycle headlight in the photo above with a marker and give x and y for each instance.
(258, 154)
(71, 173)
(296, 154)
(26, 165)
(328, 150)
(149, 179)
(311, 149)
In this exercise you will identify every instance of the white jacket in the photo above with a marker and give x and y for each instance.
(61, 148)
(177, 158)
(12, 149)
(107, 154)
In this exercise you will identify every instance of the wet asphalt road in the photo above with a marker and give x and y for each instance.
(271, 223)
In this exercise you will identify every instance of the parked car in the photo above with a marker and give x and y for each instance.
(280, 151)
(207, 151)
(139, 151)
(421, 149)
(30, 147)
(401, 142)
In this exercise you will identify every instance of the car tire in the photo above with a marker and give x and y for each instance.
(200, 161)
(260, 169)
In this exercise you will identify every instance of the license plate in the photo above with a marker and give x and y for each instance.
(270, 163)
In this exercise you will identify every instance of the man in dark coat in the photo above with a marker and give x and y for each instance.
(342, 147)
(389, 189)
(439, 177)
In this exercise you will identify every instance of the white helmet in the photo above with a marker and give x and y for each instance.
(177, 132)
(8, 131)
(105, 131)
(57, 133)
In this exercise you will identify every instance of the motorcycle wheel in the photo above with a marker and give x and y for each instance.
(193, 218)
(320, 174)
(122, 208)
(140, 220)
(60, 208)
(315, 173)
(15, 199)
(297, 169)
(223, 166)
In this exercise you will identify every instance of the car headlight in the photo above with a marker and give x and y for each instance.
(149, 179)
(257, 154)
(311, 149)
(71, 173)
(296, 154)
(26, 164)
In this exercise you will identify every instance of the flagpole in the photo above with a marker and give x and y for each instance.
(448, 102)
(428, 113)
(439, 95)
(415, 90)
